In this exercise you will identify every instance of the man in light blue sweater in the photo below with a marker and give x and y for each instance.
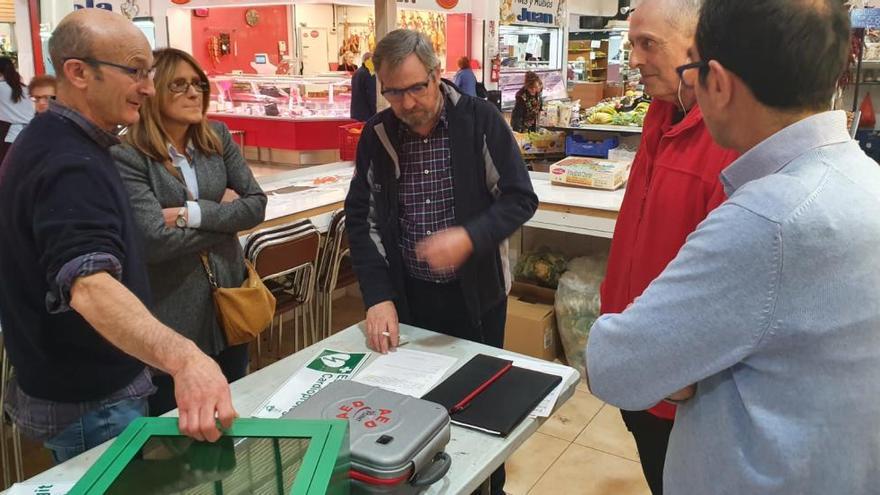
(767, 324)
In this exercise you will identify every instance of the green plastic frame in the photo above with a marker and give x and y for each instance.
(324, 469)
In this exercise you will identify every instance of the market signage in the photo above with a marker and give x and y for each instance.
(447, 6)
(532, 12)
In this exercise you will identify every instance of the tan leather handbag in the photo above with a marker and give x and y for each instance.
(244, 312)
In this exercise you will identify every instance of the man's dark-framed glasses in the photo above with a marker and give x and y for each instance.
(136, 73)
(686, 79)
(416, 90)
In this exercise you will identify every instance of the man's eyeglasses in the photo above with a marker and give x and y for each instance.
(687, 82)
(136, 73)
(182, 86)
(37, 99)
(416, 91)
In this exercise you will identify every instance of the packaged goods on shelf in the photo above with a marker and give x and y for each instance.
(590, 172)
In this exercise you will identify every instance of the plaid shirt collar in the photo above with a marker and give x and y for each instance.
(406, 133)
(100, 136)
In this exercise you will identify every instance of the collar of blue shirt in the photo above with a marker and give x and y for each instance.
(780, 149)
(102, 137)
(173, 153)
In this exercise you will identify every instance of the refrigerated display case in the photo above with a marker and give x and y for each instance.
(283, 112)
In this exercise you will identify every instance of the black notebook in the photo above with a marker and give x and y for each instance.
(491, 395)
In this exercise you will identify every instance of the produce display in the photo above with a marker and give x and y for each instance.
(577, 307)
(629, 110)
(543, 268)
(542, 141)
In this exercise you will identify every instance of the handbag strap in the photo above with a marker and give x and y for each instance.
(207, 264)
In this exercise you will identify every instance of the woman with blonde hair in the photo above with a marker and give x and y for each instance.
(192, 192)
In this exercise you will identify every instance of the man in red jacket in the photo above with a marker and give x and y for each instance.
(673, 185)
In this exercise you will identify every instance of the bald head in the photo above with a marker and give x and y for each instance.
(95, 33)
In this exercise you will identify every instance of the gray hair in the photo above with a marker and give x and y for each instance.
(685, 14)
(399, 44)
(72, 38)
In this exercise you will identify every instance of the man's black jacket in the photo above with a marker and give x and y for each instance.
(493, 198)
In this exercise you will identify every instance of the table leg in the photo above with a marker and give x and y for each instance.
(486, 487)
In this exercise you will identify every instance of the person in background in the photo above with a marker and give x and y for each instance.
(363, 90)
(347, 64)
(528, 104)
(766, 323)
(16, 110)
(673, 185)
(191, 193)
(42, 91)
(440, 186)
(74, 290)
(465, 78)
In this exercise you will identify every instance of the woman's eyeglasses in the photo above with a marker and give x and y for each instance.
(182, 86)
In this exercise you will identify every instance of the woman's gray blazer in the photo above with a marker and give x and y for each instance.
(181, 293)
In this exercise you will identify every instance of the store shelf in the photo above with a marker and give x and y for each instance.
(867, 64)
(601, 128)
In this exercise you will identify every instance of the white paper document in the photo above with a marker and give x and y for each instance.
(325, 368)
(406, 371)
(545, 408)
(58, 488)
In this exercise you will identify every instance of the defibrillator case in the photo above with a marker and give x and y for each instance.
(397, 441)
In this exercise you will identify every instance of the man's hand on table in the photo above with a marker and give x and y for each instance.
(203, 398)
(446, 250)
(383, 329)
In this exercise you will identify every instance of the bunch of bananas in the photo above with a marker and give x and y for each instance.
(602, 115)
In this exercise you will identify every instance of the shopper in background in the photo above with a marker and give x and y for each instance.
(427, 218)
(42, 91)
(528, 104)
(673, 185)
(771, 307)
(16, 110)
(347, 64)
(363, 90)
(191, 193)
(465, 78)
(74, 286)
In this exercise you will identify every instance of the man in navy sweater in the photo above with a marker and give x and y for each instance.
(73, 284)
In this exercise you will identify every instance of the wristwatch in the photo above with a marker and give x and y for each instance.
(181, 218)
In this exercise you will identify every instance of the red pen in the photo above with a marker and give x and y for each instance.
(467, 400)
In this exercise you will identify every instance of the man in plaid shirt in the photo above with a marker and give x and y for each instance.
(439, 187)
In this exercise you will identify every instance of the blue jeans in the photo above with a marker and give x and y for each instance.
(95, 428)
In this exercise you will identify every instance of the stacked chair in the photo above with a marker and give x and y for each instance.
(334, 271)
(12, 462)
(286, 258)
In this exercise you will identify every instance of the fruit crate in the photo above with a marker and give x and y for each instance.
(580, 146)
(349, 135)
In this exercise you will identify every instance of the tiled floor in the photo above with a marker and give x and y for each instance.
(583, 449)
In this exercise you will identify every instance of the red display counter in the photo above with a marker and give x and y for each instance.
(285, 133)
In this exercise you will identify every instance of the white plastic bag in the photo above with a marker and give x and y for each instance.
(577, 306)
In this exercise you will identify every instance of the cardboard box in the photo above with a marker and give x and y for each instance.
(590, 172)
(531, 322)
